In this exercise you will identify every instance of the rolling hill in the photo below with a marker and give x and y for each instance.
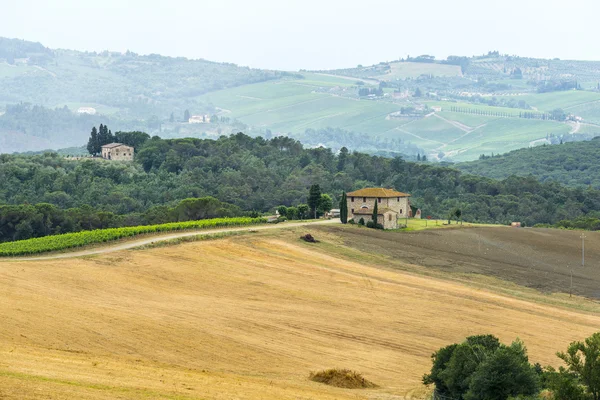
(482, 105)
(571, 164)
(250, 318)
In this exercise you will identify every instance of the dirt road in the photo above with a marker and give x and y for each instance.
(161, 238)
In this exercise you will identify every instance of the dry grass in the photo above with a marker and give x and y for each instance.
(245, 317)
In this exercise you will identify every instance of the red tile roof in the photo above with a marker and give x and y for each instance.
(377, 192)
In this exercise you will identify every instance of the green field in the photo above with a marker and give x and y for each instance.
(294, 105)
(566, 100)
(470, 120)
(403, 70)
(503, 135)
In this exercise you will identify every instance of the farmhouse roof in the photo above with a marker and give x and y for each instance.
(377, 192)
(113, 145)
(368, 211)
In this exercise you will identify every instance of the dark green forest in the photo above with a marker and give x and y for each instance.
(574, 164)
(255, 174)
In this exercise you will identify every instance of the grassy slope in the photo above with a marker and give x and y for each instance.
(294, 106)
(247, 318)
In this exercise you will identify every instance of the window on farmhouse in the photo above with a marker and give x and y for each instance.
(352, 211)
(364, 199)
(398, 199)
(352, 199)
(400, 211)
(389, 217)
(379, 199)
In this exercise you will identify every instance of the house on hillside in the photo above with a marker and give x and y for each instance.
(86, 110)
(117, 152)
(391, 206)
(199, 119)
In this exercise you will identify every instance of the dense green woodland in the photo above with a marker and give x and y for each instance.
(575, 164)
(254, 174)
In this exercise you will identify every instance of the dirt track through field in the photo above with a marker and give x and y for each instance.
(247, 317)
(131, 244)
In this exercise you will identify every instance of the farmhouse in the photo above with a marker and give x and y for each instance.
(117, 152)
(199, 119)
(86, 110)
(391, 206)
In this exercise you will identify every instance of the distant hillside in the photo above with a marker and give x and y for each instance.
(572, 164)
(131, 83)
(447, 110)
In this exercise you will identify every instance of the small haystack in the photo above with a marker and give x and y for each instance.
(308, 238)
(343, 378)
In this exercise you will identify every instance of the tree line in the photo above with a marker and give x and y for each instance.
(256, 174)
(26, 221)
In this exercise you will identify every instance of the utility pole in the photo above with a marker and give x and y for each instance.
(583, 249)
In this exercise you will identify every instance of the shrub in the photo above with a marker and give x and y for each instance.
(371, 224)
(309, 238)
(351, 221)
(361, 221)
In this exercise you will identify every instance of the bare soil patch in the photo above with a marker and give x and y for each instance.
(536, 258)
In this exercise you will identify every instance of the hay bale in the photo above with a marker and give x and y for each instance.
(343, 378)
(308, 238)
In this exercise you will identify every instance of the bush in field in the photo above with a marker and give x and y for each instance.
(483, 368)
(79, 239)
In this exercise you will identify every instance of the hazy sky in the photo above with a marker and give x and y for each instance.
(290, 34)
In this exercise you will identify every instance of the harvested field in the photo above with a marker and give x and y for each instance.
(537, 258)
(249, 317)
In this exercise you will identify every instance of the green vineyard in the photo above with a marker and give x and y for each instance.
(85, 238)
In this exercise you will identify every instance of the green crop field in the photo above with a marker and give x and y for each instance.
(566, 100)
(590, 112)
(428, 133)
(294, 105)
(470, 120)
(503, 135)
(403, 70)
(85, 238)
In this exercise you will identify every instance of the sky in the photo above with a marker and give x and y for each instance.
(309, 34)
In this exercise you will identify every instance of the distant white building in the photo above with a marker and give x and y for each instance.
(86, 110)
(436, 108)
(199, 119)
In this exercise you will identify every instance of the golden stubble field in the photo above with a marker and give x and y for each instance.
(244, 318)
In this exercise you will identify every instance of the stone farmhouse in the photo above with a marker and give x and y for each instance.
(391, 206)
(117, 152)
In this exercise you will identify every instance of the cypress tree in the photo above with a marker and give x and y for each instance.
(344, 209)
(375, 212)
(92, 145)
